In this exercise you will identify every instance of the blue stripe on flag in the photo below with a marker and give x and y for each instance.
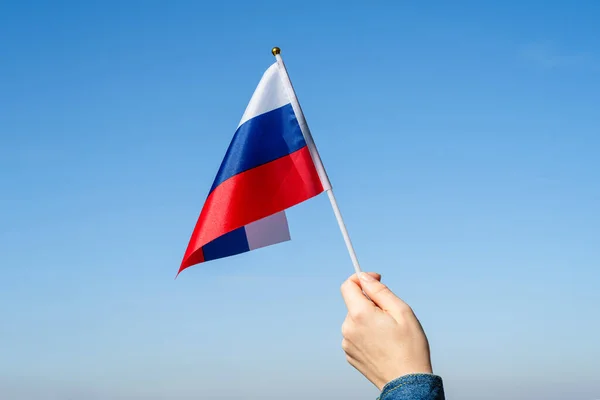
(232, 243)
(260, 140)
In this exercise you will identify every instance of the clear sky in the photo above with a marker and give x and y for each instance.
(462, 140)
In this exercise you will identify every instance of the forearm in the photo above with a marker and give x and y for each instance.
(414, 387)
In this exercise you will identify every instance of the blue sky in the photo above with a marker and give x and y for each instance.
(462, 142)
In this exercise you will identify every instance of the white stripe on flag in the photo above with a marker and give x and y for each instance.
(269, 95)
(267, 231)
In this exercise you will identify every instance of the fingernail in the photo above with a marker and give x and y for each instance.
(366, 277)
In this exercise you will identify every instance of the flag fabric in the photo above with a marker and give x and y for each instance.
(267, 169)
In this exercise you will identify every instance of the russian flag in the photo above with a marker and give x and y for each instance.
(268, 167)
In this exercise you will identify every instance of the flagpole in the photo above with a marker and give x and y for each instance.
(316, 157)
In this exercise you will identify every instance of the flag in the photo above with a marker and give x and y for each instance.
(268, 168)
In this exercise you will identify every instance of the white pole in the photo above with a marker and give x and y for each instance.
(312, 148)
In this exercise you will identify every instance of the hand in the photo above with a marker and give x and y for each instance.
(383, 338)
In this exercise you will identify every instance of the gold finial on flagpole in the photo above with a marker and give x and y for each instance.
(275, 50)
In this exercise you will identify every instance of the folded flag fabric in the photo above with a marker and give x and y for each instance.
(267, 169)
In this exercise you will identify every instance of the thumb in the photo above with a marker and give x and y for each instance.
(380, 294)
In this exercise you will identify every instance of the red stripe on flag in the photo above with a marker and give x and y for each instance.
(253, 195)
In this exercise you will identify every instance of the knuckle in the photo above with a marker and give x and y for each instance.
(405, 310)
(349, 330)
(402, 326)
(359, 315)
(346, 329)
(345, 345)
(344, 285)
(382, 290)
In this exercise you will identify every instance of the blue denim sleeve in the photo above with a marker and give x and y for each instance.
(414, 387)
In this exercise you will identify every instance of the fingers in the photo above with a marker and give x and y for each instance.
(356, 302)
(354, 278)
(381, 295)
(347, 333)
